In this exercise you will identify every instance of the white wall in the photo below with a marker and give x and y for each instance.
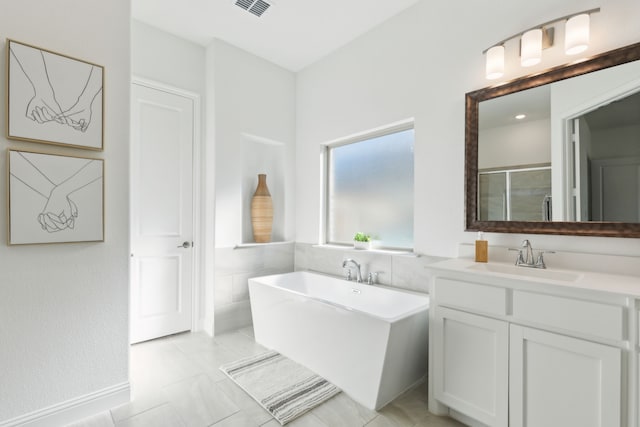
(526, 143)
(254, 102)
(621, 141)
(165, 58)
(251, 124)
(420, 64)
(64, 307)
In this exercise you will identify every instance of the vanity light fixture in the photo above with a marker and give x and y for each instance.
(535, 39)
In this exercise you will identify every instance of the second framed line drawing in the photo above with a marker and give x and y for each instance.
(54, 198)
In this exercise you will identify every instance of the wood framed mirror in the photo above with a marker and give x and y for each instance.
(537, 178)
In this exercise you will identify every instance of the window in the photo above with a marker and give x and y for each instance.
(370, 189)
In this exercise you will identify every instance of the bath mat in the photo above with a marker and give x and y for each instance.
(281, 386)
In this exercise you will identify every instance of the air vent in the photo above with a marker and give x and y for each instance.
(257, 7)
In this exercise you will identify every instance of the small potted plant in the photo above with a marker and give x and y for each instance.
(361, 241)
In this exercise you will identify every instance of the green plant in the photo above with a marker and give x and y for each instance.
(361, 237)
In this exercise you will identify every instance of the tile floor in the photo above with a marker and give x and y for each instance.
(176, 382)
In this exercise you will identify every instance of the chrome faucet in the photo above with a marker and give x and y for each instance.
(371, 278)
(356, 265)
(526, 258)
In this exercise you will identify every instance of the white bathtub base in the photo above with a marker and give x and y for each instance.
(372, 360)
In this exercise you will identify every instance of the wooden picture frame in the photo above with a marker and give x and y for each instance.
(53, 98)
(54, 198)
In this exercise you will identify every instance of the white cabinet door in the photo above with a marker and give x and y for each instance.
(471, 356)
(560, 381)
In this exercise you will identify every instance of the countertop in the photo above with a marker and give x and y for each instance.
(594, 281)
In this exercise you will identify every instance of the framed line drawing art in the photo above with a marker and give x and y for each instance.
(54, 198)
(53, 98)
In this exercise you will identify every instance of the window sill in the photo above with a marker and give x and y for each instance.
(254, 245)
(346, 248)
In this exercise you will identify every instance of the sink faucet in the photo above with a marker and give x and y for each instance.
(356, 265)
(526, 258)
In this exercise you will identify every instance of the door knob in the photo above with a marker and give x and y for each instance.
(185, 245)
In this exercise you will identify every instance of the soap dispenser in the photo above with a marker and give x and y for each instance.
(482, 249)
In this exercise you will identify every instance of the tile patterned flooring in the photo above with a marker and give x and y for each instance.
(176, 382)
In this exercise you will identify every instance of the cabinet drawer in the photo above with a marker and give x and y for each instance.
(586, 317)
(473, 296)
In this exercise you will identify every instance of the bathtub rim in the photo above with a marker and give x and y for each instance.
(352, 283)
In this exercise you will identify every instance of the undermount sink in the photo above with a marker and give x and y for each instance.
(527, 272)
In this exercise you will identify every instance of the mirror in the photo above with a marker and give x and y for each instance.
(571, 165)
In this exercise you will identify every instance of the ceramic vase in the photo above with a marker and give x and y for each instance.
(262, 211)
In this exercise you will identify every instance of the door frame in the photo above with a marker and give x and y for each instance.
(197, 315)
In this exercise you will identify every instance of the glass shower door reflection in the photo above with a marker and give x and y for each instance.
(515, 195)
(529, 194)
(492, 205)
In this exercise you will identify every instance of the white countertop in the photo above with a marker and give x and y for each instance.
(602, 282)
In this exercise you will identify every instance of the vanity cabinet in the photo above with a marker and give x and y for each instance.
(510, 353)
(557, 380)
(472, 357)
(471, 350)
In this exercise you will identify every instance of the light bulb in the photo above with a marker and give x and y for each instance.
(531, 47)
(495, 62)
(576, 37)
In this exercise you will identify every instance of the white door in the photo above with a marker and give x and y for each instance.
(561, 381)
(471, 357)
(162, 125)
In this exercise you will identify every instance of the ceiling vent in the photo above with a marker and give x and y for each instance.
(257, 7)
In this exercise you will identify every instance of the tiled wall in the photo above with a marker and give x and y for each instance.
(405, 271)
(235, 266)
(233, 269)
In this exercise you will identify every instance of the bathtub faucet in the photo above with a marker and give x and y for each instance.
(356, 265)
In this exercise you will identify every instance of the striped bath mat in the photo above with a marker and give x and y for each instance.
(284, 388)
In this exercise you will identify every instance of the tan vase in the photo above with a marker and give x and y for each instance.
(262, 211)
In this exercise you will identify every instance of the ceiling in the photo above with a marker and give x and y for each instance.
(533, 103)
(291, 33)
(536, 105)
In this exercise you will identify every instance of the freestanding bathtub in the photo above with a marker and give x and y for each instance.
(370, 341)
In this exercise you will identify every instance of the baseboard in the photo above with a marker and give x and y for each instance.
(75, 409)
(465, 419)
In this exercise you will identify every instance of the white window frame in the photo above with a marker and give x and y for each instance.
(324, 175)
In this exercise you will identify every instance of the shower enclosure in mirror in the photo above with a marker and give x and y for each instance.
(558, 153)
(515, 194)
